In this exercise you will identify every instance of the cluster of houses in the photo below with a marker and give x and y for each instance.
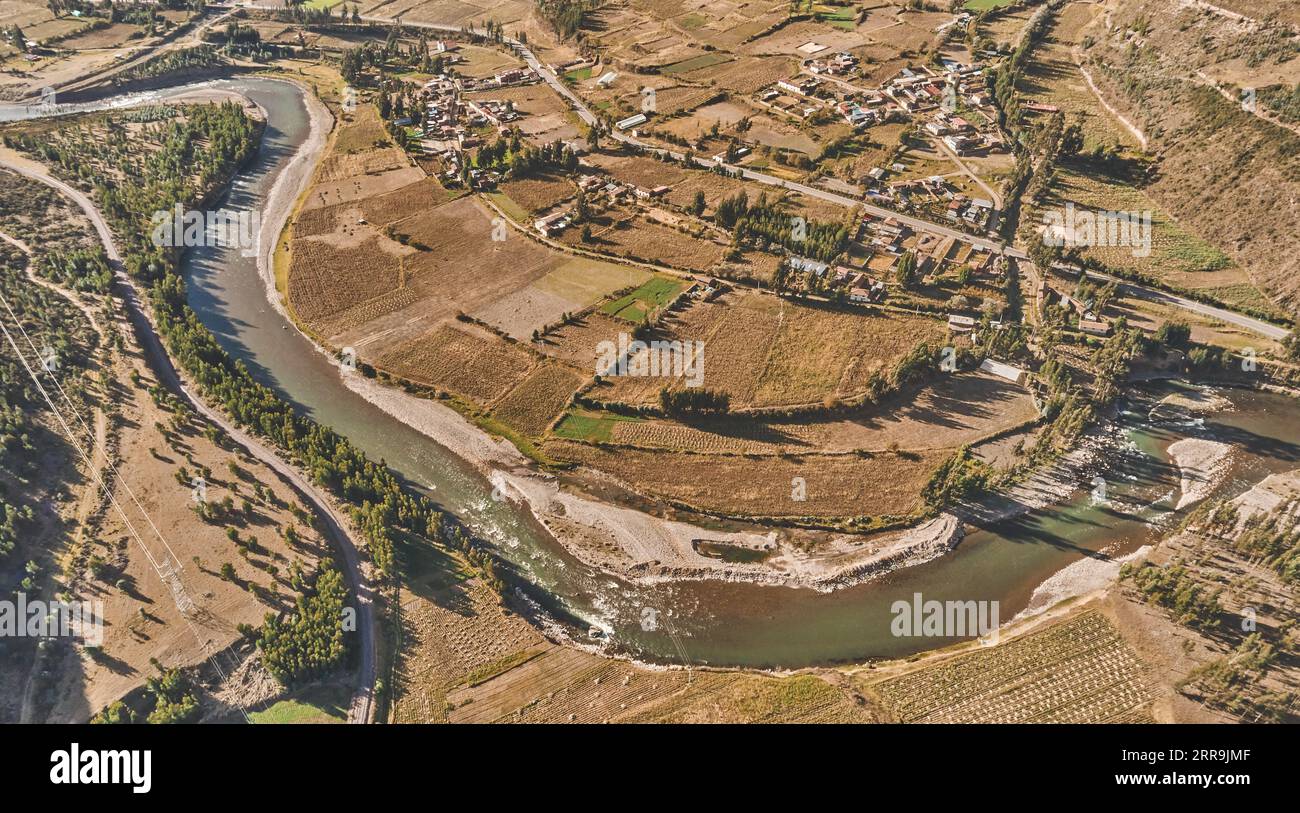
(934, 192)
(495, 111)
(798, 86)
(513, 77)
(600, 184)
(596, 184)
(863, 112)
(861, 287)
(553, 224)
(842, 64)
(448, 130)
(856, 283)
(975, 211)
(793, 97)
(445, 115)
(916, 90)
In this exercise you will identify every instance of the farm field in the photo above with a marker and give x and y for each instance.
(652, 295)
(1073, 671)
(471, 363)
(772, 352)
(953, 411)
(575, 342)
(626, 233)
(839, 486)
(539, 399)
(555, 686)
(113, 36)
(536, 195)
(382, 253)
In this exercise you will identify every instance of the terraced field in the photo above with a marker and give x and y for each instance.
(1075, 671)
(565, 685)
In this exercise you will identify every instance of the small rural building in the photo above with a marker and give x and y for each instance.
(1095, 327)
(552, 224)
(960, 324)
(813, 267)
(1001, 369)
(631, 121)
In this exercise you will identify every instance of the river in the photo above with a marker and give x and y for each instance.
(714, 623)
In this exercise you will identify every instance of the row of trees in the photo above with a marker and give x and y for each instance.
(693, 401)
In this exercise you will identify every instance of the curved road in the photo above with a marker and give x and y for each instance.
(362, 705)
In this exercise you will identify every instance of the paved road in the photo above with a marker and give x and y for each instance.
(362, 705)
(1241, 320)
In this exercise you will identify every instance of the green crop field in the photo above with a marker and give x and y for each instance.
(636, 306)
(591, 426)
(695, 63)
(319, 704)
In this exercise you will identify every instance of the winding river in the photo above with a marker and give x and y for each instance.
(715, 623)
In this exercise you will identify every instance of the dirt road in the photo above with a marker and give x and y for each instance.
(362, 705)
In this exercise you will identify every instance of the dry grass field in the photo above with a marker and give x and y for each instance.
(1006, 28)
(1178, 257)
(626, 233)
(953, 411)
(575, 343)
(318, 290)
(532, 406)
(360, 131)
(538, 194)
(764, 351)
(564, 685)
(379, 258)
(469, 362)
(112, 36)
(837, 485)
(1052, 77)
(744, 75)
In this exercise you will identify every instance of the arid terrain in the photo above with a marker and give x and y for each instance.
(587, 313)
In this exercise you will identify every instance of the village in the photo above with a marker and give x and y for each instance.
(463, 115)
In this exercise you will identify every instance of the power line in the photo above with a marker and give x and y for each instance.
(166, 573)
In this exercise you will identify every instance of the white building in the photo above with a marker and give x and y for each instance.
(631, 121)
(1003, 370)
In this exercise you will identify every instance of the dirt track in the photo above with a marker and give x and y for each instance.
(362, 704)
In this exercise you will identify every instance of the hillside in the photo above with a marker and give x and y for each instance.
(1228, 173)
